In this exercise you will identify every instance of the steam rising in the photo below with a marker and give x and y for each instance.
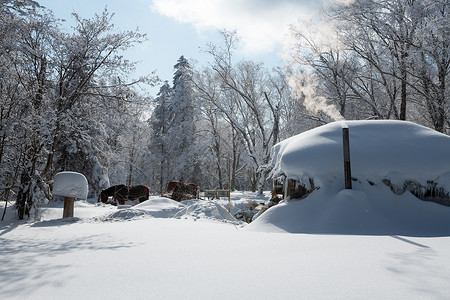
(345, 2)
(305, 85)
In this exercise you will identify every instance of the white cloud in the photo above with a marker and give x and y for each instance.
(261, 24)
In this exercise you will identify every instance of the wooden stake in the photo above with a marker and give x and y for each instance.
(286, 182)
(68, 207)
(347, 168)
(229, 184)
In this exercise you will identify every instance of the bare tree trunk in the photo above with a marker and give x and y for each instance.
(219, 173)
(440, 102)
(49, 164)
(161, 174)
(24, 201)
(403, 72)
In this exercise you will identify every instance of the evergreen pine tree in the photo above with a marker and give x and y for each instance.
(159, 147)
(182, 130)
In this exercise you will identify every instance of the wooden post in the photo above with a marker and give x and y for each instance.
(286, 182)
(347, 168)
(70, 185)
(229, 184)
(68, 207)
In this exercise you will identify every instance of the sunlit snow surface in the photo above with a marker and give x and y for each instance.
(148, 252)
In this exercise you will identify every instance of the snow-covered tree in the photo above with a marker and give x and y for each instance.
(86, 57)
(175, 147)
(385, 59)
(248, 102)
(432, 63)
(215, 131)
(384, 32)
(55, 90)
(181, 131)
(26, 35)
(159, 157)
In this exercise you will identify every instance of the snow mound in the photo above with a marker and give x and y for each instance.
(70, 184)
(160, 207)
(365, 210)
(201, 209)
(127, 214)
(390, 161)
(156, 207)
(156, 203)
(394, 150)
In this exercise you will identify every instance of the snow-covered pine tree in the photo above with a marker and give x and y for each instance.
(158, 147)
(181, 134)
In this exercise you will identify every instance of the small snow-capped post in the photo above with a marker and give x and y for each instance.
(346, 148)
(70, 185)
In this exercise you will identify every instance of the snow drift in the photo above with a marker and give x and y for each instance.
(365, 210)
(161, 207)
(200, 209)
(155, 206)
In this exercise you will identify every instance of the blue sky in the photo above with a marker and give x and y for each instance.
(184, 27)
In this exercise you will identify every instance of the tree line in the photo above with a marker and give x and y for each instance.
(64, 100)
(379, 59)
(65, 104)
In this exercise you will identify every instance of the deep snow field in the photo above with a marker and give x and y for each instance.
(162, 249)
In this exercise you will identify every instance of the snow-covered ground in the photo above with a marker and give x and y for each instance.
(161, 249)
(364, 243)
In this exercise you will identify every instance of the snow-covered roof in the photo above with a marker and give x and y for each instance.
(395, 150)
